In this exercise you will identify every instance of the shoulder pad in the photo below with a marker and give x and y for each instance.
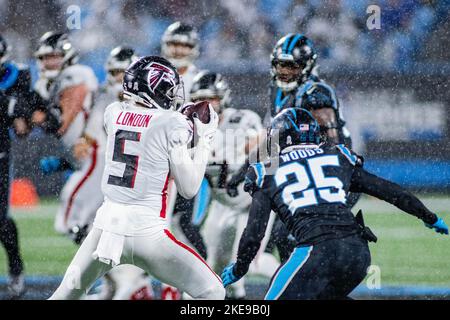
(254, 179)
(352, 157)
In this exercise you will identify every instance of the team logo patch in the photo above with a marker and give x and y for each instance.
(157, 73)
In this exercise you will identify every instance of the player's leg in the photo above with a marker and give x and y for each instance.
(352, 258)
(303, 276)
(280, 237)
(174, 263)
(215, 235)
(8, 232)
(80, 198)
(192, 219)
(82, 271)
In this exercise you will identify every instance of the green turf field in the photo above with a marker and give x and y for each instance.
(407, 252)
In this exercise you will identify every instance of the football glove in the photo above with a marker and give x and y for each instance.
(439, 226)
(207, 131)
(228, 276)
(50, 164)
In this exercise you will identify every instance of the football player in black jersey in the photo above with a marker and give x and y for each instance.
(16, 104)
(306, 182)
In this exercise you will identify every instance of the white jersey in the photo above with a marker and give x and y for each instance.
(188, 80)
(72, 76)
(137, 161)
(235, 129)
(95, 127)
(42, 87)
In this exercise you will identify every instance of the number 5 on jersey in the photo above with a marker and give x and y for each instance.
(131, 161)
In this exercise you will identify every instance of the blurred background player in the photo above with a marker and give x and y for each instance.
(69, 89)
(15, 99)
(294, 72)
(180, 45)
(308, 187)
(226, 216)
(69, 86)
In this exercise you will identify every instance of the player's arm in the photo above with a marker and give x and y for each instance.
(326, 117)
(251, 238)
(363, 181)
(71, 103)
(189, 172)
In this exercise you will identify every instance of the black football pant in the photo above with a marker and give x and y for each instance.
(8, 230)
(279, 238)
(328, 270)
(185, 208)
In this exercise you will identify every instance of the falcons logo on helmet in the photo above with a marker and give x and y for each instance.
(157, 73)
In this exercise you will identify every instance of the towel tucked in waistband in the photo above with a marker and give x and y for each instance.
(109, 248)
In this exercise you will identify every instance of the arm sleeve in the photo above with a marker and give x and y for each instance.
(254, 232)
(187, 171)
(363, 181)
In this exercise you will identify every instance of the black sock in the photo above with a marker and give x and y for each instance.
(9, 239)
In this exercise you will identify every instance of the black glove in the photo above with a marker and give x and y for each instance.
(78, 234)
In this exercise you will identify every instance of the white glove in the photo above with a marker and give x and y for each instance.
(206, 131)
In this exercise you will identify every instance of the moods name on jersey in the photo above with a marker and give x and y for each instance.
(300, 154)
(132, 119)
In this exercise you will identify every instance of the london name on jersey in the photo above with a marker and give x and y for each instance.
(132, 119)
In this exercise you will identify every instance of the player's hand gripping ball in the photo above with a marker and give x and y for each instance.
(199, 110)
(204, 120)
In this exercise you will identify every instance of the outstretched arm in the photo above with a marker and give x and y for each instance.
(251, 238)
(363, 181)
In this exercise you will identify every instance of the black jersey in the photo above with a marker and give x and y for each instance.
(280, 100)
(16, 98)
(308, 190)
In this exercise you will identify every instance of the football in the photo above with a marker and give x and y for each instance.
(199, 109)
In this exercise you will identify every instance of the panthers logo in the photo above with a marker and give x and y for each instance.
(157, 73)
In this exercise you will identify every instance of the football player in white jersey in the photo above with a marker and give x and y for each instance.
(180, 45)
(147, 143)
(239, 130)
(68, 86)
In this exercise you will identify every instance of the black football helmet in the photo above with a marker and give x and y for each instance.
(292, 126)
(180, 33)
(56, 42)
(5, 50)
(207, 84)
(320, 99)
(295, 51)
(118, 61)
(120, 58)
(153, 82)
